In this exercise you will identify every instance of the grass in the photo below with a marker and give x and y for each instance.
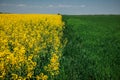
(93, 48)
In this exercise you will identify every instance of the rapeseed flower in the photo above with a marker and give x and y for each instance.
(30, 46)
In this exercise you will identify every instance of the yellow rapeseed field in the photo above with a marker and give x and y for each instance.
(30, 46)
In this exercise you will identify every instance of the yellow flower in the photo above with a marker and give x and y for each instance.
(24, 38)
(15, 76)
(42, 77)
(29, 75)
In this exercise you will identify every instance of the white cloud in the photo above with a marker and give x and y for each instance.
(44, 6)
(70, 6)
(21, 5)
(12, 5)
(50, 6)
(82, 6)
(57, 6)
(64, 6)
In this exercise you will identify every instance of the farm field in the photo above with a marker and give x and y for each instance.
(59, 47)
(30, 46)
(93, 48)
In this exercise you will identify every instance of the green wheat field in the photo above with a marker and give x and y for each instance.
(93, 48)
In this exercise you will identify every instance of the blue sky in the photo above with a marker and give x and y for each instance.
(61, 6)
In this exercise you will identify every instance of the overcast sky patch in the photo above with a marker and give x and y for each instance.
(61, 6)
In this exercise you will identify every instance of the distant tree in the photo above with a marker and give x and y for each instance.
(4, 13)
(58, 13)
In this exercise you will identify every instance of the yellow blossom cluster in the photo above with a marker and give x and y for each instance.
(30, 46)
